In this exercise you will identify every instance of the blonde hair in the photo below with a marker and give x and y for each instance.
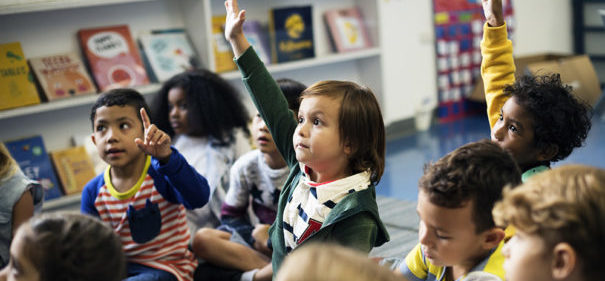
(331, 262)
(8, 166)
(565, 204)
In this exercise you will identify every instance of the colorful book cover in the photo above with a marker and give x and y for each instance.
(223, 56)
(347, 29)
(113, 57)
(62, 75)
(291, 30)
(168, 52)
(258, 37)
(17, 86)
(31, 156)
(74, 168)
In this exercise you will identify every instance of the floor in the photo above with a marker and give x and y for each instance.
(406, 156)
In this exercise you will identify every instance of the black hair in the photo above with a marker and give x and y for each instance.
(291, 90)
(120, 97)
(476, 172)
(214, 107)
(559, 118)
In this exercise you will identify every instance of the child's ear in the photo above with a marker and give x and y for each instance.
(492, 237)
(564, 261)
(92, 136)
(347, 148)
(548, 152)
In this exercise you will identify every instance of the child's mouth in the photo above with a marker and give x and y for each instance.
(114, 152)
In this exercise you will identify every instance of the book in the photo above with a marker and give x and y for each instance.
(91, 149)
(223, 56)
(167, 52)
(257, 35)
(17, 86)
(291, 30)
(73, 167)
(113, 57)
(61, 76)
(347, 29)
(33, 160)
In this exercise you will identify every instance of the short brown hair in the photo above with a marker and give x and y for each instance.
(332, 262)
(68, 246)
(360, 123)
(476, 172)
(565, 204)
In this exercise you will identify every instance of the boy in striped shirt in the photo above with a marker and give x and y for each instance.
(145, 189)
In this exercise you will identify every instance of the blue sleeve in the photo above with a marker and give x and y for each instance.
(89, 195)
(179, 182)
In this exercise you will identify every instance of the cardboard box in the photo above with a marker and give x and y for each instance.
(576, 71)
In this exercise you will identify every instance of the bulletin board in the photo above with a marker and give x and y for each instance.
(458, 34)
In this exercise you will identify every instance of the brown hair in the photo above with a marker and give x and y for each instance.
(8, 166)
(565, 204)
(475, 172)
(360, 123)
(67, 246)
(331, 262)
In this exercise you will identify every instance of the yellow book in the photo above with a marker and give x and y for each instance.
(223, 56)
(74, 168)
(17, 86)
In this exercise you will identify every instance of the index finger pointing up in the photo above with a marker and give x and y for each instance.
(145, 118)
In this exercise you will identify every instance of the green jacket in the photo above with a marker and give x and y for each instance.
(354, 222)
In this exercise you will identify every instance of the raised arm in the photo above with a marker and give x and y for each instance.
(233, 28)
(498, 66)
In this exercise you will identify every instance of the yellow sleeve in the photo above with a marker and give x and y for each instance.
(414, 267)
(497, 68)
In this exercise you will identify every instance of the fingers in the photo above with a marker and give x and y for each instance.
(145, 118)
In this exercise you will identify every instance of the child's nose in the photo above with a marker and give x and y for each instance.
(498, 132)
(423, 235)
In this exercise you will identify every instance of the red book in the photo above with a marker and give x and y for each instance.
(113, 57)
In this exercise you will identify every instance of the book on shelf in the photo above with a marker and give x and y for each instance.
(74, 168)
(347, 29)
(33, 160)
(113, 57)
(61, 76)
(85, 140)
(17, 86)
(257, 35)
(291, 30)
(167, 53)
(223, 56)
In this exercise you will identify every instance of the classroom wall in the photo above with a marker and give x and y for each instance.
(407, 39)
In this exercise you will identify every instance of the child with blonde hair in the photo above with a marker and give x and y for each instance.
(65, 246)
(331, 262)
(559, 216)
(335, 151)
(18, 196)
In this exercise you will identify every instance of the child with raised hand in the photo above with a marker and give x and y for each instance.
(65, 246)
(18, 196)
(145, 189)
(536, 118)
(335, 153)
(457, 235)
(559, 216)
(209, 124)
(240, 243)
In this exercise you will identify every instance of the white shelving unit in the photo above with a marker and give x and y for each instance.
(48, 27)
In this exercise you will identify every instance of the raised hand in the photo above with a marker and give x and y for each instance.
(234, 27)
(156, 142)
(492, 9)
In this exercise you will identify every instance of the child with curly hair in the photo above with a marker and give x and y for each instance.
(536, 118)
(209, 125)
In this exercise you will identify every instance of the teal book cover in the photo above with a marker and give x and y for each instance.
(291, 30)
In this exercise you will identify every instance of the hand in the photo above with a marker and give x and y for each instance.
(261, 236)
(234, 32)
(493, 12)
(156, 143)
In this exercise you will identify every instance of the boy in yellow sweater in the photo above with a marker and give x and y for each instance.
(535, 118)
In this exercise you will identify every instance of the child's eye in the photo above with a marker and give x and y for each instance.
(440, 236)
(99, 128)
(316, 122)
(300, 120)
(512, 128)
(500, 117)
(124, 126)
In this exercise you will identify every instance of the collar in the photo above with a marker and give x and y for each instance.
(535, 170)
(133, 190)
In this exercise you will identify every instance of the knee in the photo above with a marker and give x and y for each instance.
(202, 241)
